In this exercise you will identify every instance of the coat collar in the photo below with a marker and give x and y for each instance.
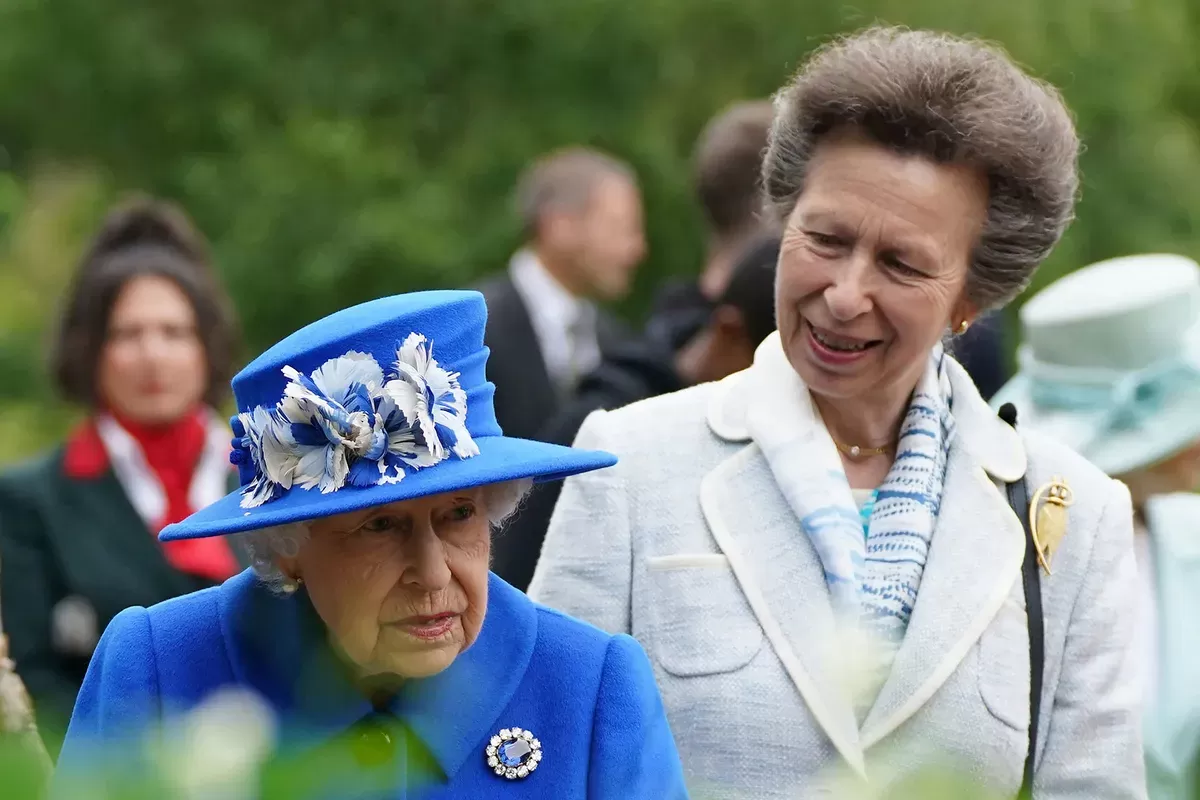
(278, 647)
(781, 577)
(974, 561)
(993, 444)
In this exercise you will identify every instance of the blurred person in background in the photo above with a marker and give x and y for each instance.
(1110, 365)
(393, 663)
(727, 167)
(820, 553)
(581, 212)
(145, 344)
(726, 175)
(741, 318)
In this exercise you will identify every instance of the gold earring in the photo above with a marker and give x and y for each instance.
(963, 327)
(290, 585)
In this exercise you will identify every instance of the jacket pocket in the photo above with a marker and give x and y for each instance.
(1004, 666)
(700, 622)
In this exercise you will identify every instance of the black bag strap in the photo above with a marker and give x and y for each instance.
(1018, 498)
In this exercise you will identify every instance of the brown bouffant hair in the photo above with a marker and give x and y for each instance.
(949, 99)
(141, 237)
(727, 167)
(564, 180)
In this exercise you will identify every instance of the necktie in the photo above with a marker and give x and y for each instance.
(579, 338)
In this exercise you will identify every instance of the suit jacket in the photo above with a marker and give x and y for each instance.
(631, 372)
(525, 396)
(589, 697)
(690, 545)
(74, 553)
(525, 401)
(1173, 718)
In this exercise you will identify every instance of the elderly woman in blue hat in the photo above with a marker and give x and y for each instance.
(1110, 364)
(393, 662)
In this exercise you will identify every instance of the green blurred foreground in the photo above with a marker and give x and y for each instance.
(213, 770)
(230, 747)
(338, 152)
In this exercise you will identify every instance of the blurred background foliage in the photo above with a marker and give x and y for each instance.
(339, 152)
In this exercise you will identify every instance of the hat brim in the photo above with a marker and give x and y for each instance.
(1169, 430)
(500, 459)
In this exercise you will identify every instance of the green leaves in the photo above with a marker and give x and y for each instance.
(338, 153)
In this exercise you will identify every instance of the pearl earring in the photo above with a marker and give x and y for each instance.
(290, 585)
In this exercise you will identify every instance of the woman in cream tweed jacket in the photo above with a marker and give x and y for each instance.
(818, 553)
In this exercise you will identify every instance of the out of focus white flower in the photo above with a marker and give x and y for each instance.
(74, 629)
(217, 749)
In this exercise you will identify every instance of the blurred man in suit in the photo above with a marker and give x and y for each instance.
(739, 320)
(582, 216)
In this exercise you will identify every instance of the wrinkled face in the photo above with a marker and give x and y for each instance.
(153, 368)
(873, 266)
(402, 588)
(603, 243)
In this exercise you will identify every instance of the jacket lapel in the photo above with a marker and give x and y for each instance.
(611, 334)
(100, 507)
(974, 560)
(525, 396)
(781, 576)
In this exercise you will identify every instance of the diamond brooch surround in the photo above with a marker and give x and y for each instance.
(513, 753)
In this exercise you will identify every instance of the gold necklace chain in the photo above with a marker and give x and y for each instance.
(854, 451)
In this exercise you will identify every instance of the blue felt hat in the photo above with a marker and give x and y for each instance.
(1110, 361)
(381, 402)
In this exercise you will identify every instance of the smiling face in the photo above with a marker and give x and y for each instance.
(402, 588)
(873, 267)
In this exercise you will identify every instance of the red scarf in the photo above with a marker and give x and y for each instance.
(172, 452)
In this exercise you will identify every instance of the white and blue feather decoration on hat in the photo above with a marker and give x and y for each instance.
(349, 423)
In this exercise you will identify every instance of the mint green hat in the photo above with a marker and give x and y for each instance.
(1110, 361)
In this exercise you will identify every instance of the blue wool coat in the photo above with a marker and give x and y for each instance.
(588, 696)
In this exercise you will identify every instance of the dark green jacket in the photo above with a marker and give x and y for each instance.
(76, 550)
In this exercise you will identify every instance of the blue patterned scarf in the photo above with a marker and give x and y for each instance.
(873, 580)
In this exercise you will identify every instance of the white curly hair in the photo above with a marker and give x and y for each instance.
(266, 545)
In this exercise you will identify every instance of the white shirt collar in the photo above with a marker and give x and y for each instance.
(556, 315)
(210, 482)
(540, 290)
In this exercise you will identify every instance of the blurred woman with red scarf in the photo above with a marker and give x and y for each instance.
(146, 344)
